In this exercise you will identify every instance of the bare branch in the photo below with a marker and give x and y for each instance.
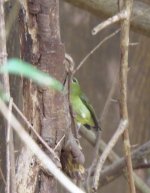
(5, 81)
(117, 168)
(140, 184)
(94, 49)
(8, 149)
(140, 17)
(143, 166)
(122, 126)
(118, 17)
(2, 176)
(125, 27)
(35, 132)
(3, 51)
(91, 138)
(58, 144)
(109, 98)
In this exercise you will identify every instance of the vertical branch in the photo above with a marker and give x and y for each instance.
(3, 52)
(125, 26)
(5, 82)
(8, 187)
(10, 150)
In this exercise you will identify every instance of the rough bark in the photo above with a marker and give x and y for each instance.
(46, 109)
(52, 104)
(27, 169)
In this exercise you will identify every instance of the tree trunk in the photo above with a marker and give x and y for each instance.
(45, 108)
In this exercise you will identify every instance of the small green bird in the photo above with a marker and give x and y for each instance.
(83, 111)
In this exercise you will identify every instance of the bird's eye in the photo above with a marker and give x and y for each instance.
(74, 80)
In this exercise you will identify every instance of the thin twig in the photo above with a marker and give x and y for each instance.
(109, 97)
(12, 152)
(119, 16)
(125, 27)
(44, 159)
(134, 44)
(122, 126)
(115, 18)
(90, 136)
(3, 51)
(143, 166)
(94, 161)
(94, 49)
(8, 149)
(2, 175)
(58, 144)
(5, 83)
(35, 132)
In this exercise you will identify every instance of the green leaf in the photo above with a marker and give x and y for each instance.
(19, 67)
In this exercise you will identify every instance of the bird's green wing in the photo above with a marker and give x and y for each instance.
(91, 109)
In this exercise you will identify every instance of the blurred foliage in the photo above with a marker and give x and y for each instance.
(19, 67)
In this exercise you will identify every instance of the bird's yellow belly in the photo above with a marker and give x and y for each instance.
(82, 113)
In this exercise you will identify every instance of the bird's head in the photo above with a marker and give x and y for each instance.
(75, 87)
